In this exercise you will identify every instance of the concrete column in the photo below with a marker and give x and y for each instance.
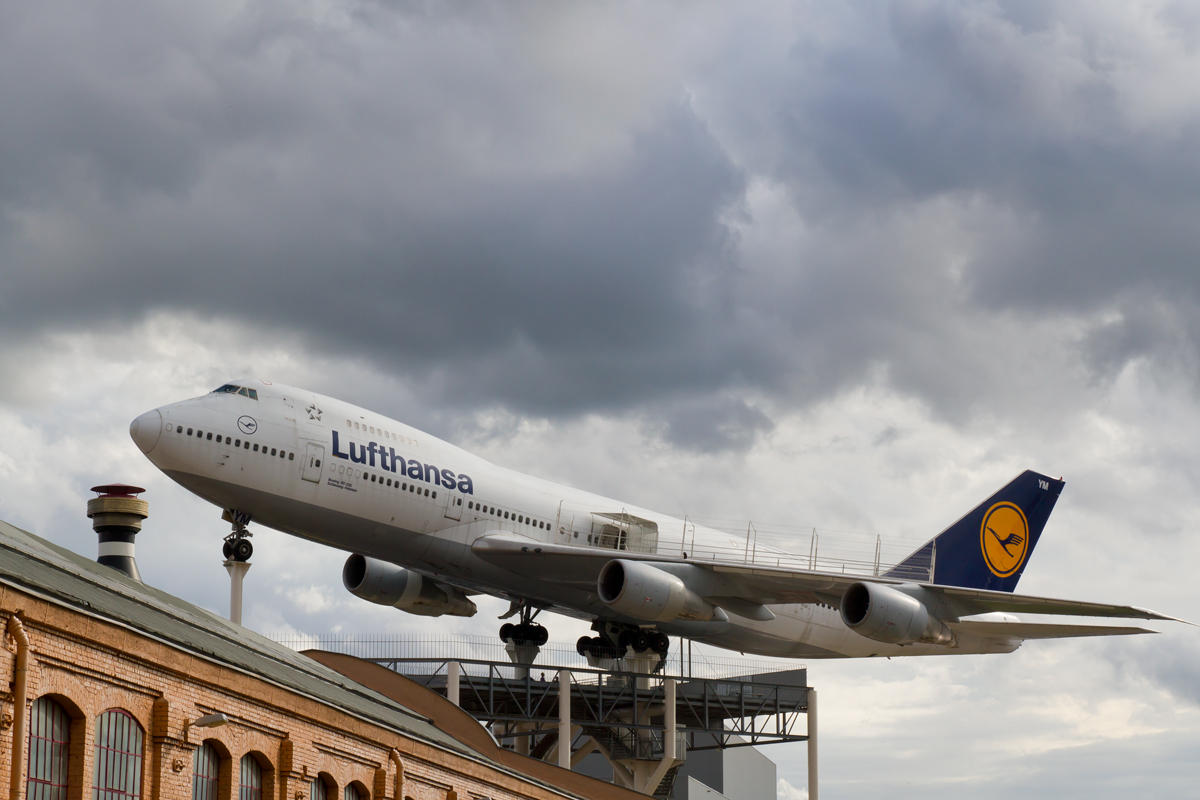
(452, 672)
(564, 718)
(812, 743)
(669, 721)
(237, 574)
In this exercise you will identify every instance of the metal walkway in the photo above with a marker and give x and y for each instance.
(623, 715)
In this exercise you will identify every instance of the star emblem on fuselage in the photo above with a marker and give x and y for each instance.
(314, 412)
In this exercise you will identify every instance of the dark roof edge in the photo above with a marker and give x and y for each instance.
(315, 671)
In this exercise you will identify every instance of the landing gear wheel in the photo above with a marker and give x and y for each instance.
(526, 631)
(242, 550)
(633, 638)
(237, 545)
(617, 640)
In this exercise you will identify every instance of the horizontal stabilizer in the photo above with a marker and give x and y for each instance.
(1040, 630)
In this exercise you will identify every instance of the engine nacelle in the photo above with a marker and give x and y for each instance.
(642, 591)
(391, 585)
(886, 614)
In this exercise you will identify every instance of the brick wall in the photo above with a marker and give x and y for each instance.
(89, 665)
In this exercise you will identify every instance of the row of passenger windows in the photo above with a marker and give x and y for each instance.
(403, 486)
(246, 445)
(119, 762)
(380, 431)
(501, 514)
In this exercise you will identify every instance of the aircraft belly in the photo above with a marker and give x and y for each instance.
(447, 556)
(307, 520)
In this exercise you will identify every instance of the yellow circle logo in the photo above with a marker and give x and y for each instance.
(1004, 538)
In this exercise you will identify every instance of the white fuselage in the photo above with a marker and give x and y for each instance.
(334, 473)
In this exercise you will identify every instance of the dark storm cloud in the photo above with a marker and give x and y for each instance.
(712, 423)
(272, 187)
(445, 195)
(1034, 111)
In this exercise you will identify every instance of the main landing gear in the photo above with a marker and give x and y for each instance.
(618, 640)
(525, 632)
(237, 546)
(523, 641)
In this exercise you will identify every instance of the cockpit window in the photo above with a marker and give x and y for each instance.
(230, 388)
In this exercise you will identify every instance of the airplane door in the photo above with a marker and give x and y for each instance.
(314, 454)
(454, 506)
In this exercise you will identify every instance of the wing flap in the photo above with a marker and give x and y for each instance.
(967, 602)
(1040, 630)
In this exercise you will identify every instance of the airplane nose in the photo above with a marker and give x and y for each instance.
(145, 430)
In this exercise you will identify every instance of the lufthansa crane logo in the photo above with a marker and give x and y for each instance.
(247, 424)
(1004, 538)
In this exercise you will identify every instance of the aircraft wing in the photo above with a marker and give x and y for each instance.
(962, 601)
(753, 585)
(581, 565)
(567, 563)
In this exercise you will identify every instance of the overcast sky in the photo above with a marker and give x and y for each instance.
(849, 266)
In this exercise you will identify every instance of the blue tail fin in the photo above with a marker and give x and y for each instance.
(990, 546)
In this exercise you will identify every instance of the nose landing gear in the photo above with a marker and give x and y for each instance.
(237, 546)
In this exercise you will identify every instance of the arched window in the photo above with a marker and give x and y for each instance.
(118, 773)
(250, 785)
(355, 791)
(322, 787)
(47, 776)
(206, 772)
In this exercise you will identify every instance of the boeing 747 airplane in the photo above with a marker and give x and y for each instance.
(428, 525)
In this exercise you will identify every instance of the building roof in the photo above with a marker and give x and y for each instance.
(42, 569)
(453, 719)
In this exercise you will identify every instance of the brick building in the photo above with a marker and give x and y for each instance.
(114, 690)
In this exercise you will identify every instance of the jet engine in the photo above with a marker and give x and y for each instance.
(885, 614)
(642, 591)
(391, 585)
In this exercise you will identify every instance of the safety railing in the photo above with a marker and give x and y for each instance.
(685, 660)
(812, 550)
